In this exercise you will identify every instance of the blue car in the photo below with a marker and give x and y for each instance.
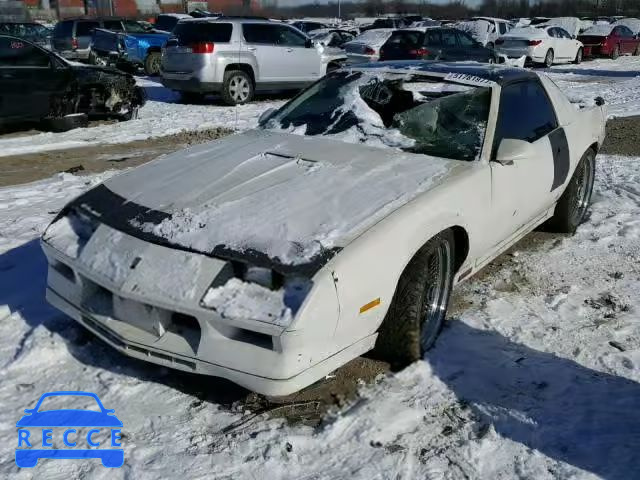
(105, 418)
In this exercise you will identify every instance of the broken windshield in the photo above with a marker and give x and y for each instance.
(413, 113)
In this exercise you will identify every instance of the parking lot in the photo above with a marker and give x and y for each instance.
(561, 308)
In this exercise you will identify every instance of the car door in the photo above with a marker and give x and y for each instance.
(627, 40)
(525, 188)
(300, 60)
(471, 49)
(29, 78)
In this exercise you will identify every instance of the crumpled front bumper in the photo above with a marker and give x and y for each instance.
(132, 303)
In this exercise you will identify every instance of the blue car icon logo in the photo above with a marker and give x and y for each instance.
(70, 426)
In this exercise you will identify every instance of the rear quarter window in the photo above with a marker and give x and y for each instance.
(63, 29)
(85, 29)
(194, 32)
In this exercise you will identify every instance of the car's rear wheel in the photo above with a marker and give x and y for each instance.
(418, 309)
(573, 205)
(615, 52)
(548, 59)
(579, 55)
(152, 64)
(237, 87)
(636, 52)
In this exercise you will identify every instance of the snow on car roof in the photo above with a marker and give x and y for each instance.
(599, 30)
(632, 24)
(528, 32)
(375, 37)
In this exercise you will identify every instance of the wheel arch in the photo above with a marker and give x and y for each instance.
(244, 67)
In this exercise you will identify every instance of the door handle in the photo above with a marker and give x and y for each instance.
(289, 49)
(251, 49)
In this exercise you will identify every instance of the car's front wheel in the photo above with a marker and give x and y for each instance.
(573, 205)
(616, 52)
(418, 309)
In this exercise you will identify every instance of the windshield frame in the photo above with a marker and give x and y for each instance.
(452, 77)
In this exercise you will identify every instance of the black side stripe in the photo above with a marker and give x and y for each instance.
(561, 161)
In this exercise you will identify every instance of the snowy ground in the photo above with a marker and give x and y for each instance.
(616, 81)
(537, 374)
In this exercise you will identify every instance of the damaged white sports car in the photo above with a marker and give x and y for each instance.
(274, 256)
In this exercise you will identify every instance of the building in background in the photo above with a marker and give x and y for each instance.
(21, 10)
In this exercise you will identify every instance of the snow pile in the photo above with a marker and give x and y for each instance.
(479, 29)
(572, 25)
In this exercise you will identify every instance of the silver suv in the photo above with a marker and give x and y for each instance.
(237, 57)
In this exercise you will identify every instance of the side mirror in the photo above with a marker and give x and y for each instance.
(308, 43)
(599, 101)
(266, 115)
(512, 150)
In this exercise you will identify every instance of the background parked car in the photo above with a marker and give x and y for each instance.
(434, 44)
(610, 41)
(39, 85)
(541, 45)
(33, 32)
(632, 24)
(72, 38)
(366, 46)
(237, 57)
(485, 30)
(308, 26)
(331, 37)
(168, 21)
(387, 23)
(135, 47)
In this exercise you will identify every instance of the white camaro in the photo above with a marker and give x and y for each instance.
(341, 224)
(545, 45)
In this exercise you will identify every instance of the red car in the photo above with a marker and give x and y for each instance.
(610, 41)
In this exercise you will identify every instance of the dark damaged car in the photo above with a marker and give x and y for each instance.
(39, 85)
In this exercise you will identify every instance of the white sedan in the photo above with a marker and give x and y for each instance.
(339, 225)
(545, 45)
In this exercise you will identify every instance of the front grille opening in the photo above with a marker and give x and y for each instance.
(64, 270)
(96, 298)
(261, 340)
(188, 327)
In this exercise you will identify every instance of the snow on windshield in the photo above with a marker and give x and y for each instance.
(407, 112)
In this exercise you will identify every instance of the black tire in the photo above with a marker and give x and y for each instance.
(548, 58)
(132, 114)
(573, 205)
(578, 59)
(191, 97)
(69, 122)
(152, 64)
(615, 53)
(417, 312)
(237, 87)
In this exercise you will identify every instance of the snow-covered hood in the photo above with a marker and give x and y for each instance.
(273, 198)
